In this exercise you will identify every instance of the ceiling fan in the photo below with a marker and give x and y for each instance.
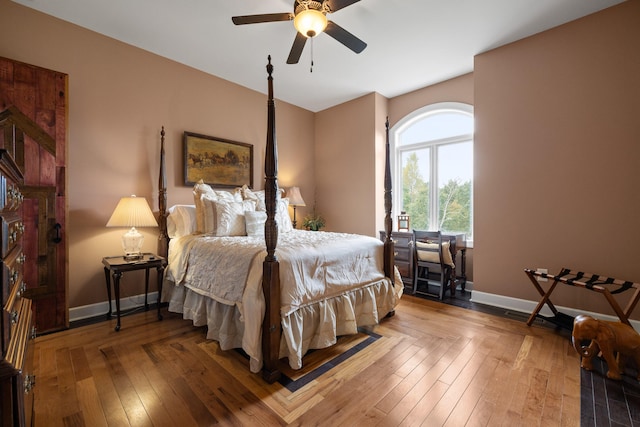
(310, 19)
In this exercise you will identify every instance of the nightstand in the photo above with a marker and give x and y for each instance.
(117, 265)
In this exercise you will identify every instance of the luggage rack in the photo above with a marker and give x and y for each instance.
(607, 286)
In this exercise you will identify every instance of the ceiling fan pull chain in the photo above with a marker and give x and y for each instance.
(311, 69)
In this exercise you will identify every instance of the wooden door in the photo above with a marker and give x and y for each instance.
(41, 96)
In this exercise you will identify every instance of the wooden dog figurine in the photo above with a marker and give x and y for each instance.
(608, 337)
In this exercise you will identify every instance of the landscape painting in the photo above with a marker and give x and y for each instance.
(218, 162)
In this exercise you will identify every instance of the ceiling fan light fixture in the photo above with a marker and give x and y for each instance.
(310, 22)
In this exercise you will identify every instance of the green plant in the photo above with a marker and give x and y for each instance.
(313, 221)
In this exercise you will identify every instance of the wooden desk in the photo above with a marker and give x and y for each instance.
(403, 248)
(117, 265)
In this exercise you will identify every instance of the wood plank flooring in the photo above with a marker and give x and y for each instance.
(432, 365)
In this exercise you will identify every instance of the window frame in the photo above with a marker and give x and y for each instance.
(396, 150)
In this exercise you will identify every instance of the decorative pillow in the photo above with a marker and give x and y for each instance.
(229, 196)
(201, 189)
(258, 196)
(209, 209)
(254, 221)
(282, 206)
(209, 214)
(433, 256)
(202, 192)
(230, 217)
(181, 220)
(282, 216)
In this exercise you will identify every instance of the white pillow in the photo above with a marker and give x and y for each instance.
(258, 196)
(433, 256)
(181, 221)
(230, 217)
(282, 216)
(282, 206)
(229, 196)
(254, 221)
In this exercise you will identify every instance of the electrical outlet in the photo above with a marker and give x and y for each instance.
(541, 279)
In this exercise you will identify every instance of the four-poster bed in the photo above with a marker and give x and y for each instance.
(299, 292)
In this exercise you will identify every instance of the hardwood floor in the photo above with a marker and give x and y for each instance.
(431, 364)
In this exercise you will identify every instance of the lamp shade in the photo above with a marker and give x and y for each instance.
(310, 22)
(132, 212)
(295, 198)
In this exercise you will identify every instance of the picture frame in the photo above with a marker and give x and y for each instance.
(218, 162)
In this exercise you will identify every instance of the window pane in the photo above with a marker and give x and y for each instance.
(437, 126)
(455, 179)
(415, 187)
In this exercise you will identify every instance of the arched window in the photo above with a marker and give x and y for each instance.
(433, 167)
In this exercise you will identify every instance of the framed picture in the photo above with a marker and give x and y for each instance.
(218, 162)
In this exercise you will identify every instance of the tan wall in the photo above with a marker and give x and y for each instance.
(346, 165)
(119, 97)
(557, 150)
(380, 118)
(350, 161)
(458, 89)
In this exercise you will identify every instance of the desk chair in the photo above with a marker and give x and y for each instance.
(433, 263)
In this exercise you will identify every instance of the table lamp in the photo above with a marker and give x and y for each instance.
(295, 199)
(132, 212)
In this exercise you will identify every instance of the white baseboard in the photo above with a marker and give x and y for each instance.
(101, 308)
(527, 307)
(514, 304)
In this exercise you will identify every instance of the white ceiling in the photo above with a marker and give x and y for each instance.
(411, 43)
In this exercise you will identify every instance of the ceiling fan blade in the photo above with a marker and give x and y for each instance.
(296, 49)
(345, 37)
(257, 19)
(335, 5)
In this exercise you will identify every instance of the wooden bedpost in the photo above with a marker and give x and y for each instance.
(163, 238)
(389, 257)
(271, 268)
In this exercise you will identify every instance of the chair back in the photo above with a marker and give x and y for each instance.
(428, 247)
(431, 247)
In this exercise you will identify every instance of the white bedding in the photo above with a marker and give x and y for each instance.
(331, 283)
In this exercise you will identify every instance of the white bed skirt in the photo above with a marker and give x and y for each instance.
(313, 326)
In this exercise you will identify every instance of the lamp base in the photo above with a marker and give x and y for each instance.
(131, 244)
(294, 223)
